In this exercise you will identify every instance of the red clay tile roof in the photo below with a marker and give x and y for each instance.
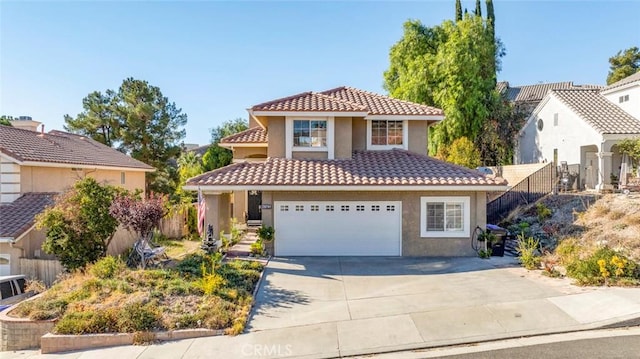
(348, 99)
(309, 101)
(252, 135)
(382, 105)
(62, 147)
(377, 168)
(18, 216)
(597, 111)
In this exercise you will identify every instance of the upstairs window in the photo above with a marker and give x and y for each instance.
(387, 133)
(309, 133)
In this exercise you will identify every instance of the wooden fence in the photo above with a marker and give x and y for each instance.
(46, 270)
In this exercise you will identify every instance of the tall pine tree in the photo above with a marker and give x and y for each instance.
(478, 11)
(458, 10)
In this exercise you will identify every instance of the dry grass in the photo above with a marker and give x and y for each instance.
(144, 300)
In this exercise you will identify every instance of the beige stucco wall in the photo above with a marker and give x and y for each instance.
(275, 129)
(310, 155)
(239, 200)
(218, 212)
(343, 137)
(240, 153)
(53, 179)
(14, 254)
(359, 134)
(412, 243)
(418, 137)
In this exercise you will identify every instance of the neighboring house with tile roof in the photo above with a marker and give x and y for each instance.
(34, 166)
(581, 127)
(527, 97)
(346, 172)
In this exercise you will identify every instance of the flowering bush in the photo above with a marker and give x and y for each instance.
(139, 215)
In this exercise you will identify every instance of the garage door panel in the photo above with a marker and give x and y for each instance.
(337, 228)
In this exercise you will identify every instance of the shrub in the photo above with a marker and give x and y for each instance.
(257, 248)
(615, 215)
(464, 153)
(604, 266)
(266, 233)
(108, 267)
(78, 226)
(139, 316)
(543, 212)
(568, 250)
(527, 250)
(191, 265)
(87, 321)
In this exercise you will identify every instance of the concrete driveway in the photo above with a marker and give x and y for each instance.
(379, 304)
(333, 307)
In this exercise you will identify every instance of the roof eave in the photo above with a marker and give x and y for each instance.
(84, 166)
(310, 113)
(344, 188)
(406, 117)
(243, 144)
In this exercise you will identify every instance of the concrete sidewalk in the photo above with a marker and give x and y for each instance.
(322, 308)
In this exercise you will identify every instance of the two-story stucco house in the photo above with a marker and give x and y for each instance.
(581, 127)
(345, 172)
(34, 167)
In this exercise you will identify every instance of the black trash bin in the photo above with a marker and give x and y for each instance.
(497, 247)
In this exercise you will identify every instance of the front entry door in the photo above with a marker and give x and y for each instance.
(254, 200)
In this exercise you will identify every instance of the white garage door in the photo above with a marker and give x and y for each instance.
(342, 228)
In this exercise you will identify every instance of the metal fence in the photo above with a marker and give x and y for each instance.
(529, 190)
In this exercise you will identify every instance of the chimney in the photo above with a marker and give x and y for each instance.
(25, 123)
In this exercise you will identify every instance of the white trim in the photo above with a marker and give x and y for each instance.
(466, 217)
(381, 188)
(77, 165)
(405, 117)
(405, 137)
(244, 144)
(331, 136)
(303, 114)
(252, 160)
(288, 137)
(621, 88)
(330, 133)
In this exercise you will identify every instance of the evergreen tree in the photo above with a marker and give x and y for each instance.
(478, 11)
(491, 19)
(140, 121)
(623, 64)
(458, 10)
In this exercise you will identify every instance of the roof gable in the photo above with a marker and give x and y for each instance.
(382, 105)
(62, 148)
(604, 116)
(309, 101)
(348, 99)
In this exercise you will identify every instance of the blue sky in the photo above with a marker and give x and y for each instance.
(215, 59)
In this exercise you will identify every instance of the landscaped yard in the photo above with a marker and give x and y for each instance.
(108, 297)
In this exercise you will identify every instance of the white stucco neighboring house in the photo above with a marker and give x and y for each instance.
(581, 127)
